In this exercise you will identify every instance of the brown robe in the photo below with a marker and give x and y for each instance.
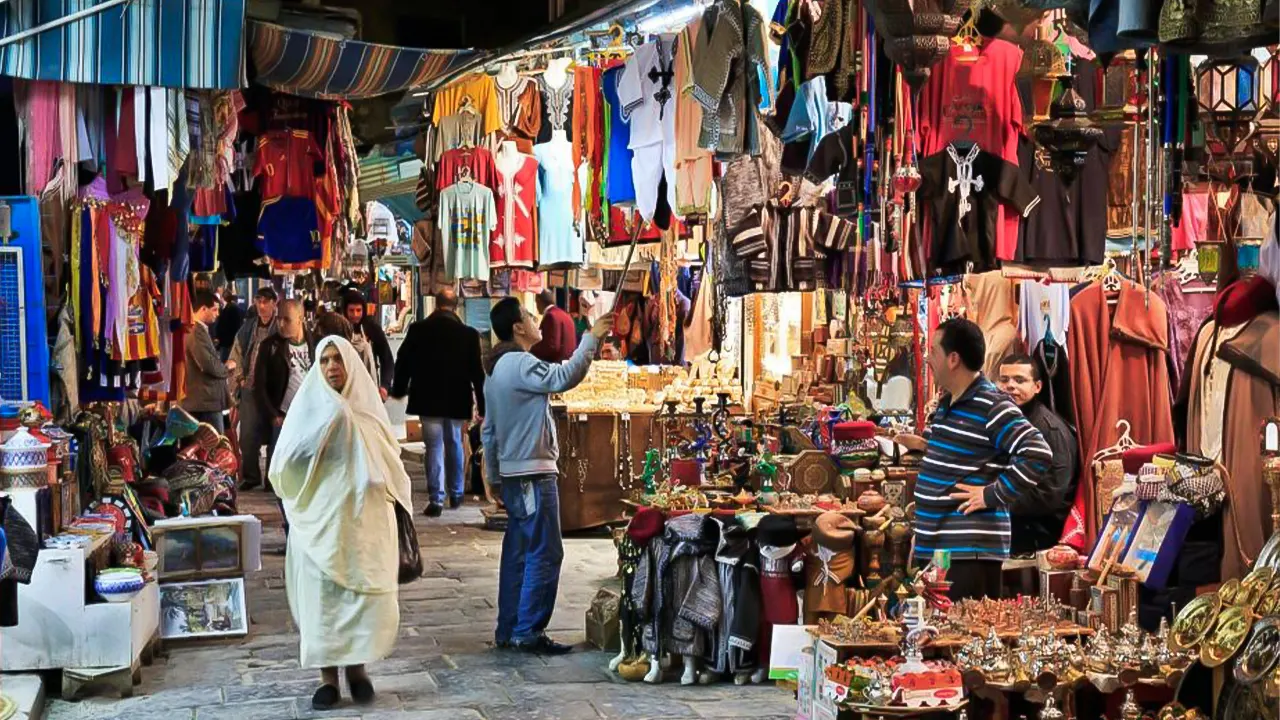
(1118, 372)
(993, 307)
(824, 596)
(1253, 395)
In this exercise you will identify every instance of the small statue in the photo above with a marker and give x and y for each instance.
(652, 461)
(1130, 709)
(1050, 710)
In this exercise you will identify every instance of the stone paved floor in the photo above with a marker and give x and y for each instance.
(443, 668)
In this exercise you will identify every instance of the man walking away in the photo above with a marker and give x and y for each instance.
(206, 392)
(230, 318)
(559, 337)
(255, 423)
(981, 454)
(283, 361)
(1039, 514)
(439, 368)
(520, 451)
(365, 329)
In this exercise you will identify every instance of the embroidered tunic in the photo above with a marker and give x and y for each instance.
(516, 242)
(520, 107)
(557, 107)
(729, 51)
(559, 241)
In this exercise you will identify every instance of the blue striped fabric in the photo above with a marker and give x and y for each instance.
(196, 44)
(981, 439)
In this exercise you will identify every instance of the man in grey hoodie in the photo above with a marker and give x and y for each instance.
(520, 454)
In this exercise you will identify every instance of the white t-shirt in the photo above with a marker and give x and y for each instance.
(299, 363)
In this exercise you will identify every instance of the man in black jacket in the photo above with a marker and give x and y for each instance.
(283, 361)
(367, 329)
(1038, 516)
(439, 369)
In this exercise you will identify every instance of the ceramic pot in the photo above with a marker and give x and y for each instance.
(23, 452)
(119, 584)
(871, 502)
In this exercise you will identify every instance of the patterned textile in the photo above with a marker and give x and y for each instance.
(195, 44)
(302, 63)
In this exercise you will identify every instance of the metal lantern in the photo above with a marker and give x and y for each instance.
(1227, 92)
(1045, 64)
(1248, 256)
(917, 35)
(1121, 92)
(1209, 260)
(1068, 135)
(1267, 138)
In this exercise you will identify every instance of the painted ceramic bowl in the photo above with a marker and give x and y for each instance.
(119, 584)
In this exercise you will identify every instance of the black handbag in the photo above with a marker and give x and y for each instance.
(410, 554)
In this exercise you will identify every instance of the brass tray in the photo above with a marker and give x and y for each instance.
(1254, 586)
(1227, 637)
(1229, 591)
(1194, 621)
(1260, 653)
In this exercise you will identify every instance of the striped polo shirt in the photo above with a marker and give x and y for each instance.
(981, 439)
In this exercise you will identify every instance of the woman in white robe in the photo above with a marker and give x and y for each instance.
(337, 470)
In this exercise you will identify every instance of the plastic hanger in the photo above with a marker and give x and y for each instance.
(1125, 442)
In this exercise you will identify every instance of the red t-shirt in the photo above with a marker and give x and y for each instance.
(976, 100)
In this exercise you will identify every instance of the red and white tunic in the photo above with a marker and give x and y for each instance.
(515, 244)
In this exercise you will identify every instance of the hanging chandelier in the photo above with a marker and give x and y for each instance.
(917, 35)
(1068, 135)
(1267, 139)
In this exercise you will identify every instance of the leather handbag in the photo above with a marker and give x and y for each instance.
(410, 554)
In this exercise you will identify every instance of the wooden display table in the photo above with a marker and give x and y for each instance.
(591, 492)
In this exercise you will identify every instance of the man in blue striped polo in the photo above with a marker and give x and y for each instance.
(980, 454)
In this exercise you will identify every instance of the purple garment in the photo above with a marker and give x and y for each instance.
(1187, 312)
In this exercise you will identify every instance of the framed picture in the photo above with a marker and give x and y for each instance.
(206, 608)
(200, 552)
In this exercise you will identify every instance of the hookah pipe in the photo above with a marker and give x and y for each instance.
(668, 421)
(702, 430)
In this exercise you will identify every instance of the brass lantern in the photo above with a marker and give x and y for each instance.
(1267, 139)
(1227, 91)
(1068, 135)
(1121, 94)
(1045, 64)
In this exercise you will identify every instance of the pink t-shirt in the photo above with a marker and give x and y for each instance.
(976, 100)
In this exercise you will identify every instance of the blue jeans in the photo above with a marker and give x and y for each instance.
(443, 440)
(529, 574)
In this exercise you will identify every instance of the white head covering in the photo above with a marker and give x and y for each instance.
(337, 469)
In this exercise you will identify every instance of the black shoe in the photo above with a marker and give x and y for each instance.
(250, 485)
(361, 691)
(433, 510)
(455, 502)
(326, 697)
(503, 644)
(544, 645)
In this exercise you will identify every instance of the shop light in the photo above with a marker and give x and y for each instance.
(671, 19)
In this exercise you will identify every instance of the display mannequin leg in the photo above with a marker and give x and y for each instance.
(760, 675)
(690, 675)
(654, 676)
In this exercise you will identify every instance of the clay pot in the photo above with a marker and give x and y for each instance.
(871, 502)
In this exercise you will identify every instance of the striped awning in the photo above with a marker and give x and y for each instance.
(312, 65)
(194, 44)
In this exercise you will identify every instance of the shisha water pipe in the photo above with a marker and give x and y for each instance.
(668, 425)
(702, 431)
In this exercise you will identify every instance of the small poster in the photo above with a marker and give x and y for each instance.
(792, 648)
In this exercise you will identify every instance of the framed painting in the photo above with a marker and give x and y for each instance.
(205, 608)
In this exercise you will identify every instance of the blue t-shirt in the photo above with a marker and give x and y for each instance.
(619, 186)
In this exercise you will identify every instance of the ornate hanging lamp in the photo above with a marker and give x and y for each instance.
(1068, 135)
(1121, 93)
(917, 35)
(1044, 64)
(1267, 139)
(1227, 92)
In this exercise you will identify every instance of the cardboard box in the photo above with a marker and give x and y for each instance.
(412, 430)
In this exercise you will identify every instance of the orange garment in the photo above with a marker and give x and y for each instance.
(992, 306)
(693, 163)
(1118, 372)
(588, 131)
(484, 98)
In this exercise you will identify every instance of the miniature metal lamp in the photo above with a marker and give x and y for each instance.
(1044, 64)
(1227, 92)
(1209, 260)
(917, 34)
(1068, 135)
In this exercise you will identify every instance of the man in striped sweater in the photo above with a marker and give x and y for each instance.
(980, 454)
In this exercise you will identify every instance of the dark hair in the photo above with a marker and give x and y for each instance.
(1023, 359)
(203, 299)
(331, 323)
(446, 299)
(504, 317)
(267, 292)
(546, 298)
(964, 338)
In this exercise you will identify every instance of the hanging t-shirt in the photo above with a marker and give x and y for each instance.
(468, 217)
(649, 106)
(299, 363)
(476, 159)
(483, 97)
(460, 130)
(559, 241)
(976, 100)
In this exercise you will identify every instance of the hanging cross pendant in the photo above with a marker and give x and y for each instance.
(964, 179)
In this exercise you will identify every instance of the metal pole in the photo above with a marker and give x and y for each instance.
(66, 20)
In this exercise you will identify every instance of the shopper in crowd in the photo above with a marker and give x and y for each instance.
(981, 454)
(230, 318)
(331, 323)
(337, 470)
(1040, 512)
(283, 361)
(439, 368)
(206, 396)
(365, 330)
(559, 337)
(520, 452)
(256, 429)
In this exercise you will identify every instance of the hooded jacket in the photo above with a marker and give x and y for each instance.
(519, 434)
(372, 331)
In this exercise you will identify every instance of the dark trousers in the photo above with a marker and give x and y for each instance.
(275, 435)
(256, 430)
(529, 572)
(214, 418)
(974, 579)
